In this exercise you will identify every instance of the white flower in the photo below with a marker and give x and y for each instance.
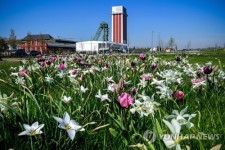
(180, 117)
(13, 68)
(199, 84)
(142, 83)
(156, 82)
(173, 139)
(221, 74)
(2, 100)
(109, 79)
(94, 69)
(66, 99)
(102, 97)
(83, 90)
(48, 79)
(164, 92)
(189, 71)
(127, 82)
(170, 76)
(145, 105)
(60, 74)
(32, 130)
(20, 81)
(14, 74)
(71, 126)
(112, 87)
(33, 67)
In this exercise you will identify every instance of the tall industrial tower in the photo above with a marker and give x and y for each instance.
(119, 24)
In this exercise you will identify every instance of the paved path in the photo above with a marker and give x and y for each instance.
(12, 59)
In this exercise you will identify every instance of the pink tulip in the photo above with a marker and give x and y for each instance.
(53, 58)
(62, 66)
(197, 80)
(42, 63)
(142, 56)
(75, 71)
(23, 72)
(125, 100)
(146, 76)
(178, 95)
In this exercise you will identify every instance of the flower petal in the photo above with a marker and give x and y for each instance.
(178, 147)
(175, 112)
(71, 133)
(176, 126)
(169, 125)
(168, 140)
(24, 133)
(186, 115)
(62, 126)
(74, 125)
(39, 128)
(34, 126)
(189, 125)
(27, 127)
(59, 120)
(170, 116)
(183, 111)
(66, 118)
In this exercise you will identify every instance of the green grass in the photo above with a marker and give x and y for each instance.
(5, 74)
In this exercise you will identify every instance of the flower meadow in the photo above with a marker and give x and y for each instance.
(112, 102)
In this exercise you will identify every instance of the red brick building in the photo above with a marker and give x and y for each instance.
(45, 43)
(36, 42)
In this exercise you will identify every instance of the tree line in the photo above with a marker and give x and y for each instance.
(11, 42)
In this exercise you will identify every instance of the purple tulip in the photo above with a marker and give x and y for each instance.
(177, 58)
(207, 69)
(133, 63)
(153, 66)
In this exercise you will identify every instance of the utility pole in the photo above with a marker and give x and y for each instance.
(152, 40)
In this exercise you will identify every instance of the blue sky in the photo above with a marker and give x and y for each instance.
(200, 22)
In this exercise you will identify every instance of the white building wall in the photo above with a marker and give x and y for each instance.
(87, 46)
(93, 46)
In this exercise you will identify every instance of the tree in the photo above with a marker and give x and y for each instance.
(42, 42)
(3, 44)
(176, 47)
(171, 42)
(28, 40)
(12, 39)
(189, 45)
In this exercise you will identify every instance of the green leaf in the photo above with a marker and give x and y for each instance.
(113, 132)
(158, 128)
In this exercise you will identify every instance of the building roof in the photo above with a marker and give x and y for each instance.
(38, 37)
(103, 42)
(65, 41)
(61, 45)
